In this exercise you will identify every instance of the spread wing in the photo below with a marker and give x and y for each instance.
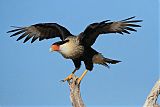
(91, 33)
(41, 31)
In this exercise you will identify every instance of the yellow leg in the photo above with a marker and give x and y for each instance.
(69, 77)
(82, 76)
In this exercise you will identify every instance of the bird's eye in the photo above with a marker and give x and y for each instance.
(66, 41)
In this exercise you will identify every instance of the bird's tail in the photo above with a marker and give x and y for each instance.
(100, 59)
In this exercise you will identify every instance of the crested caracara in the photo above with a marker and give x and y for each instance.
(77, 48)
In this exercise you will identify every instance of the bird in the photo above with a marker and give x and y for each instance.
(78, 48)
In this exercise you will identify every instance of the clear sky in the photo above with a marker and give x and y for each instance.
(30, 74)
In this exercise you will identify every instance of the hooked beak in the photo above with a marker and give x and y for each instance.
(54, 48)
(50, 49)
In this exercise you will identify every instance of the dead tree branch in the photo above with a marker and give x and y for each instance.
(75, 95)
(151, 100)
(76, 100)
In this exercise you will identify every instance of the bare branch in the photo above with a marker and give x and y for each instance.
(151, 100)
(75, 95)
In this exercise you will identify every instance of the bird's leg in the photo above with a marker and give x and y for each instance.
(69, 77)
(82, 76)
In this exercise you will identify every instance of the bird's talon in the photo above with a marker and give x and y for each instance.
(62, 80)
(78, 81)
(67, 78)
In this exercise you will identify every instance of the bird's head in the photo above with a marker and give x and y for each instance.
(56, 46)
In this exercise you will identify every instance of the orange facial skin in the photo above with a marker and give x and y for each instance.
(55, 47)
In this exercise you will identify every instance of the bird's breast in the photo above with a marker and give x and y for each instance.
(71, 49)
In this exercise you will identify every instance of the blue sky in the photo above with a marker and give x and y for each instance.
(30, 74)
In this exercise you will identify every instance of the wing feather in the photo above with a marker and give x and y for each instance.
(129, 18)
(125, 31)
(41, 31)
(22, 36)
(27, 38)
(14, 30)
(17, 33)
(90, 34)
(34, 38)
(133, 25)
(131, 29)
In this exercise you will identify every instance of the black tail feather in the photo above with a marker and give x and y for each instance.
(111, 61)
(100, 59)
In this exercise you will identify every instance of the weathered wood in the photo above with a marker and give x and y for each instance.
(151, 100)
(76, 99)
(75, 95)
